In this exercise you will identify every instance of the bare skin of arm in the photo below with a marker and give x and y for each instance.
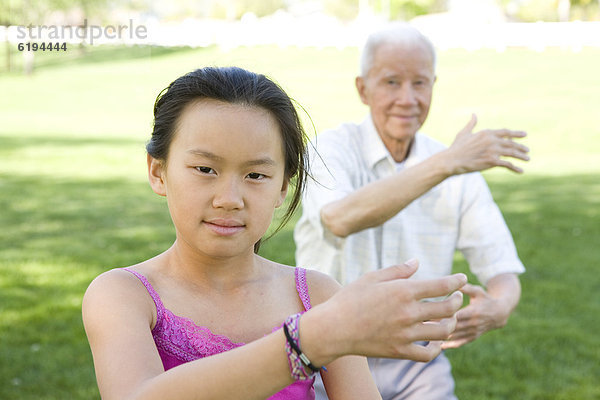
(487, 310)
(381, 314)
(377, 202)
(347, 377)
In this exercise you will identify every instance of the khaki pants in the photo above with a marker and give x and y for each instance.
(407, 380)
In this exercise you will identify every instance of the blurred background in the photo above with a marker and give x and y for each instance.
(78, 79)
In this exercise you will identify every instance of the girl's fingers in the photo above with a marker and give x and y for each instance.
(439, 330)
(437, 287)
(395, 272)
(422, 353)
(435, 310)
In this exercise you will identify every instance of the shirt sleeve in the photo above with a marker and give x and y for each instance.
(330, 180)
(483, 237)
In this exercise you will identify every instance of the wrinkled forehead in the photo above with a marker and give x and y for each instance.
(413, 57)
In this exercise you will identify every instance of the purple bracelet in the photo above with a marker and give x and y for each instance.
(297, 360)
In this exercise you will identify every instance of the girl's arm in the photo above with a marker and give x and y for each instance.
(347, 377)
(118, 314)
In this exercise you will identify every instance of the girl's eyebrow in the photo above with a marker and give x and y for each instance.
(206, 154)
(213, 156)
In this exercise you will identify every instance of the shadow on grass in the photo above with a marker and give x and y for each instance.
(57, 235)
(102, 223)
(10, 144)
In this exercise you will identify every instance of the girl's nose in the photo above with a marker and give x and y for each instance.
(228, 195)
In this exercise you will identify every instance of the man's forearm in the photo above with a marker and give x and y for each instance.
(377, 202)
(506, 288)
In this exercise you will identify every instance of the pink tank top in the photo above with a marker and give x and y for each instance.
(180, 340)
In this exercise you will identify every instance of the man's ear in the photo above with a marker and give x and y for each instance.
(156, 169)
(284, 189)
(361, 88)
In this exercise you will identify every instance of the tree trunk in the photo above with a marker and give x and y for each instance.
(8, 65)
(28, 57)
(564, 10)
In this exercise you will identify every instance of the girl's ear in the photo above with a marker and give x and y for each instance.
(156, 171)
(284, 189)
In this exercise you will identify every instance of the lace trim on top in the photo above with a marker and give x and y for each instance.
(182, 338)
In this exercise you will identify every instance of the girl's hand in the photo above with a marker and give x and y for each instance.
(382, 315)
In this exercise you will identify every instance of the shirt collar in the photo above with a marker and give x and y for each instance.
(372, 146)
(375, 151)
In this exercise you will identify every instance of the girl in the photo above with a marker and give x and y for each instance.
(226, 145)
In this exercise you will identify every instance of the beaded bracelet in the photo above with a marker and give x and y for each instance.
(296, 359)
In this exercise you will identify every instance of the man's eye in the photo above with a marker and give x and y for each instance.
(205, 170)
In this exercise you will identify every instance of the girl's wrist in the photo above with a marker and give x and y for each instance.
(319, 341)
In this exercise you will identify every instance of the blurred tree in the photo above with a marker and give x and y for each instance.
(344, 9)
(552, 10)
(407, 9)
(391, 9)
(35, 12)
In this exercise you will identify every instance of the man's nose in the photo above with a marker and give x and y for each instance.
(405, 95)
(228, 194)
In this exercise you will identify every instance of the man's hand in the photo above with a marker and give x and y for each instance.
(382, 314)
(484, 313)
(485, 149)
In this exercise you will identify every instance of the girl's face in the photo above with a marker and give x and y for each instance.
(224, 176)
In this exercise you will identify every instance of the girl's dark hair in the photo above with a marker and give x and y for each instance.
(236, 86)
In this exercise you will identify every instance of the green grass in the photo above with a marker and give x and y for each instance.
(74, 200)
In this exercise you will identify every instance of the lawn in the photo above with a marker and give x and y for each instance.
(74, 200)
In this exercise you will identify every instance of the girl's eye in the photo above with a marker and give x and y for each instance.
(256, 176)
(205, 170)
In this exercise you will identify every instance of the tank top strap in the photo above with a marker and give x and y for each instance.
(157, 301)
(302, 287)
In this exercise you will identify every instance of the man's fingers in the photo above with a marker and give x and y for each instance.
(509, 165)
(508, 133)
(438, 287)
(453, 344)
(470, 125)
(464, 315)
(508, 144)
(472, 290)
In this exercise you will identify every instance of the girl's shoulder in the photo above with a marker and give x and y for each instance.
(320, 286)
(117, 293)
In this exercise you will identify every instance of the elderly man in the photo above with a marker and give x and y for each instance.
(384, 193)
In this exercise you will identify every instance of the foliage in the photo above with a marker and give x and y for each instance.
(26, 12)
(342, 9)
(549, 11)
(408, 9)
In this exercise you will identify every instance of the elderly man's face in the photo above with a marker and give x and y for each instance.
(398, 90)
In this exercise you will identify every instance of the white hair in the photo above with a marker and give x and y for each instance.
(399, 33)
